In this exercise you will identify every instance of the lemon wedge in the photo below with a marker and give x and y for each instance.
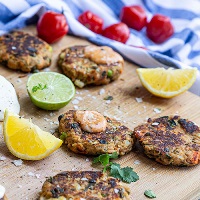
(26, 140)
(167, 83)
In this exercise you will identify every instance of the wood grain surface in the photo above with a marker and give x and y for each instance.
(169, 183)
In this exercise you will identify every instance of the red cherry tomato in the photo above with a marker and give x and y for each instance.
(119, 32)
(52, 26)
(91, 21)
(159, 29)
(134, 17)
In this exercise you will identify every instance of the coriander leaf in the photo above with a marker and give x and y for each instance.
(125, 174)
(115, 171)
(104, 159)
(150, 194)
(38, 87)
(113, 155)
(108, 98)
(128, 175)
(95, 160)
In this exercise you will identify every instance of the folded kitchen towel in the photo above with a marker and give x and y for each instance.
(182, 50)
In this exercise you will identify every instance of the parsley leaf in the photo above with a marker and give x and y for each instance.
(38, 87)
(150, 194)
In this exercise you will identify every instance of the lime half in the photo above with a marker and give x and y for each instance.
(50, 90)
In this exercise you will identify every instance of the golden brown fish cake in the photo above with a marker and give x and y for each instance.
(115, 138)
(83, 185)
(91, 64)
(25, 52)
(170, 140)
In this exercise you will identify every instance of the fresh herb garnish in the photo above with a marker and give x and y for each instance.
(39, 87)
(150, 194)
(125, 174)
(108, 98)
(63, 136)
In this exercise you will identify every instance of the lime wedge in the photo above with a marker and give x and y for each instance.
(50, 90)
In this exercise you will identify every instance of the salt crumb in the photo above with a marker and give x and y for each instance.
(84, 179)
(87, 160)
(134, 122)
(89, 95)
(108, 101)
(56, 123)
(155, 124)
(117, 118)
(31, 174)
(153, 169)
(77, 92)
(19, 186)
(51, 114)
(137, 162)
(82, 199)
(116, 190)
(37, 175)
(101, 91)
(144, 107)
(2, 158)
(75, 101)
(157, 110)
(75, 107)
(46, 70)
(93, 97)
(79, 98)
(46, 119)
(73, 169)
(19, 80)
(17, 162)
(52, 131)
(139, 100)
(139, 112)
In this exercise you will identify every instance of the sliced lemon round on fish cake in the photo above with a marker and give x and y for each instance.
(167, 83)
(26, 140)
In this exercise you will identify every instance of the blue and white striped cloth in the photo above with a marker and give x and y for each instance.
(180, 51)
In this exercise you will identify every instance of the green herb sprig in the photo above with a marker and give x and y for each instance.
(125, 174)
(38, 87)
(150, 194)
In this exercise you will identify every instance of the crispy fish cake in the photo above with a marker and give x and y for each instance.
(83, 185)
(22, 51)
(170, 140)
(89, 132)
(90, 64)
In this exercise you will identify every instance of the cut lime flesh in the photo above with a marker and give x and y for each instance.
(50, 90)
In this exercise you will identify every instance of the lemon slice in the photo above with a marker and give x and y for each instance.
(50, 90)
(26, 140)
(167, 83)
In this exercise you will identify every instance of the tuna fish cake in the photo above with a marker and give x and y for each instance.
(22, 51)
(83, 185)
(89, 132)
(170, 140)
(90, 64)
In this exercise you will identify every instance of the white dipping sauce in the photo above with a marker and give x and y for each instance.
(8, 98)
(2, 191)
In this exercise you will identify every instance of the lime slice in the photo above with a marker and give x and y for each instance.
(50, 90)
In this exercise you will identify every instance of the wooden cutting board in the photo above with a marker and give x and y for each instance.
(169, 183)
